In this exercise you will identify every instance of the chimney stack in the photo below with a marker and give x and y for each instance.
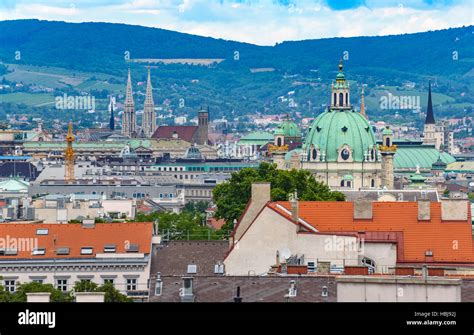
(294, 206)
(259, 197)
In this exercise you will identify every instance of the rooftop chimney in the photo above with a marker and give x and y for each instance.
(424, 210)
(294, 206)
(362, 210)
(259, 198)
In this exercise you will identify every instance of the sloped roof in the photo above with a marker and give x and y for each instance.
(424, 156)
(256, 137)
(391, 217)
(14, 185)
(75, 236)
(184, 132)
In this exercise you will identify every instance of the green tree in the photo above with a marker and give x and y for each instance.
(85, 286)
(34, 287)
(232, 196)
(111, 293)
(4, 295)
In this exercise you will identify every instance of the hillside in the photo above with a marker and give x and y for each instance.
(92, 58)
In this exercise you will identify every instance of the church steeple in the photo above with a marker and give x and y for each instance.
(340, 91)
(149, 116)
(129, 94)
(362, 103)
(429, 110)
(112, 117)
(129, 124)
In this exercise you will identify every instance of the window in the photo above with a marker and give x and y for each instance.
(39, 251)
(324, 292)
(39, 281)
(334, 98)
(292, 291)
(133, 248)
(109, 281)
(349, 184)
(372, 183)
(347, 99)
(279, 141)
(131, 284)
(10, 285)
(387, 141)
(219, 268)
(192, 268)
(341, 99)
(314, 155)
(342, 183)
(109, 248)
(311, 267)
(61, 284)
(345, 154)
(158, 287)
(62, 251)
(372, 154)
(87, 251)
(187, 286)
(41, 231)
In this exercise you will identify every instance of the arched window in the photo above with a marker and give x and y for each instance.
(347, 99)
(372, 154)
(279, 141)
(387, 141)
(341, 99)
(335, 99)
(342, 183)
(348, 184)
(314, 154)
(372, 183)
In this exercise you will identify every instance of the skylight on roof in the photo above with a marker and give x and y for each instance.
(39, 252)
(63, 251)
(87, 251)
(42, 231)
(110, 248)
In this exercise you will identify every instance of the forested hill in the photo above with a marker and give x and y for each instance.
(100, 47)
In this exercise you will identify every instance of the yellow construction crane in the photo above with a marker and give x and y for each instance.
(69, 155)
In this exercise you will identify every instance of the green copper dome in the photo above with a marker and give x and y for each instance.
(335, 128)
(290, 129)
(387, 131)
(279, 131)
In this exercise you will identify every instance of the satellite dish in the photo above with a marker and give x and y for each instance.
(285, 253)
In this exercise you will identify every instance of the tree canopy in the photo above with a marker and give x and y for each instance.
(232, 196)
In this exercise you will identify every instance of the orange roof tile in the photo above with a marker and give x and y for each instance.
(450, 241)
(75, 237)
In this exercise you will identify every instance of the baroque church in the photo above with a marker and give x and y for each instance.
(340, 148)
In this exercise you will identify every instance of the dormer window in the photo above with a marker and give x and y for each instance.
(345, 154)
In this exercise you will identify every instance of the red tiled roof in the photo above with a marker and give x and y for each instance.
(184, 132)
(450, 241)
(74, 237)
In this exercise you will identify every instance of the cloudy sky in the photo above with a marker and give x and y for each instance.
(263, 22)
